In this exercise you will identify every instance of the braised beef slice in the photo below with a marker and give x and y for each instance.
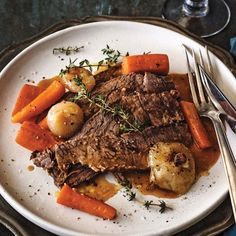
(75, 175)
(101, 145)
(119, 89)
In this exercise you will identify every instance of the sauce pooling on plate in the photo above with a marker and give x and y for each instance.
(206, 158)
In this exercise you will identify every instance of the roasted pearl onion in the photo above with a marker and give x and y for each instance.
(172, 167)
(64, 119)
(85, 75)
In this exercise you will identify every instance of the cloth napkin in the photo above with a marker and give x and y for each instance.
(233, 46)
(231, 231)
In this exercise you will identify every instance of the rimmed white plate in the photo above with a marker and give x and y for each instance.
(32, 193)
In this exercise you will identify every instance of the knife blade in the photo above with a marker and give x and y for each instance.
(220, 101)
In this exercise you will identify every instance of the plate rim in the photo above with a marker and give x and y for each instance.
(221, 53)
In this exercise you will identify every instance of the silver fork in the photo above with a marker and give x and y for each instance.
(206, 108)
(209, 77)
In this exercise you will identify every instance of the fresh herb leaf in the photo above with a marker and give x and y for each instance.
(100, 63)
(128, 190)
(136, 126)
(112, 55)
(70, 66)
(126, 183)
(131, 195)
(147, 204)
(161, 204)
(67, 50)
(101, 102)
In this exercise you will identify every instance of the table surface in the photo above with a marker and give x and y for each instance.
(20, 19)
(23, 18)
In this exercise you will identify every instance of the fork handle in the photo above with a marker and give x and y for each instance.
(232, 123)
(228, 160)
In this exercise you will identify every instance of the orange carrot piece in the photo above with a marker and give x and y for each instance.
(43, 123)
(195, 124)
(27, 94)
(43, 101)
(45, 83)
(156, 63)
(33, 137)
(71, 198)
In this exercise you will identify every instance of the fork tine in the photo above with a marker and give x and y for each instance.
(198, 78)
(205, 77)
(210, 70)
(191, 83)
(201, 59)
(200, 69)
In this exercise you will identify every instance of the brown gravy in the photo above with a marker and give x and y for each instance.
(99, 188)
(204, 159)
(140, 180)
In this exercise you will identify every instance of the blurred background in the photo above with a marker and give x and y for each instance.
(20, 19)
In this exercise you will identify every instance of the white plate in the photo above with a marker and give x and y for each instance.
(34, 202)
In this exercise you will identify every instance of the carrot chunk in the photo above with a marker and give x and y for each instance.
(45, 83)
(156, 63)
(195, 124)
(43, 101)
(33, 137)
(44, 123)
(71, 198)
(27, 94)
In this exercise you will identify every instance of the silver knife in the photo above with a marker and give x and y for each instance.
(220, 101)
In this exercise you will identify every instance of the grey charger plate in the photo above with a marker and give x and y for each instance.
(215, 223)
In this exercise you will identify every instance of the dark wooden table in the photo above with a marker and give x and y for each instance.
(21, 19)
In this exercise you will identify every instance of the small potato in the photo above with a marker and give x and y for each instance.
(64, 119)
(85, 75)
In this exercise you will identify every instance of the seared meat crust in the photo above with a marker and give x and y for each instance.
(102, 146)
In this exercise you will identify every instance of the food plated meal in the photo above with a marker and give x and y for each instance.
(179, 207)
(130, 119)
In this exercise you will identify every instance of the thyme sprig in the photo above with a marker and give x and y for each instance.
(67, 50)
(86, 64)
(128, 190)
(124, 128)
(101, 102)
(112, 57)
(131, 195)
(162, 205)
